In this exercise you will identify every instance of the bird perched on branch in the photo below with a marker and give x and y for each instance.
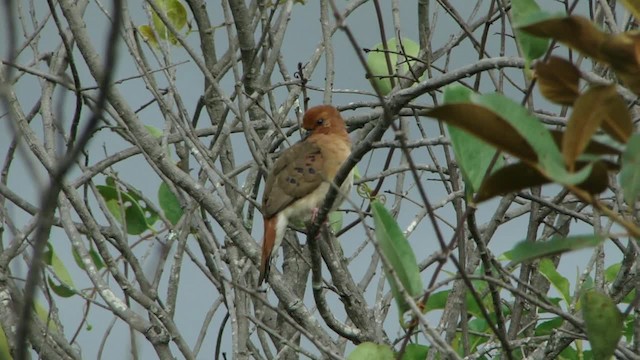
(299, 180)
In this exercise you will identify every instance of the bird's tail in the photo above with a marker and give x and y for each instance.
(268, 243)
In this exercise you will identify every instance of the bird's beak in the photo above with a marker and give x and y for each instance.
(304, 133)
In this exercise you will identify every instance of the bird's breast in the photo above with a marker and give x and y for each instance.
(302, 209)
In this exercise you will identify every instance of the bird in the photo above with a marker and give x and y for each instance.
(298, 182)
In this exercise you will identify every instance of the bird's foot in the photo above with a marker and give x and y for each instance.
(314, 215)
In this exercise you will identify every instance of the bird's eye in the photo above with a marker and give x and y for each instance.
(320, 121)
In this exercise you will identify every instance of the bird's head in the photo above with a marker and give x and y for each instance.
(323, 119)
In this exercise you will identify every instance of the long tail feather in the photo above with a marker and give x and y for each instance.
(268, 243)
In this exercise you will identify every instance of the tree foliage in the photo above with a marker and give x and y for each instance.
(124, 200)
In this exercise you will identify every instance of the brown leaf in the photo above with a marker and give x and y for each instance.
(624, 56)
(558, 80)
(633, 6)
(593, 147)
(487, 126)
(598, 180)
(508, 179)
(514, 177)
(619, 51)
(576, 32)
(631, 81)
(588, 113)
(617, 120)
(636, 50)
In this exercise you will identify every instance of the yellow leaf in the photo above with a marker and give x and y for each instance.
(148, 35)
(588, 114)
(175, 13)
(633, 6)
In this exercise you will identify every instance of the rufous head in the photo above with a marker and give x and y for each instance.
(323, 119)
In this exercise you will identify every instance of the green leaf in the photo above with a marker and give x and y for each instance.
(95, 257)
(356, 173)
(151, 216)
(538, 16)
(371, 351)
(611, 272)
(134, 215)
(157, 133)
(537, 136)
(569, 353)
(399, 253)
(336, 220)
(169, 203)
(546, 328)
(587, 284)
(61, 289)
(548, 270)
(456, 93)
(478, 326)
(377, 62)
(148, 35)
(508, 126)
(630, 172)
(486, 125)
(110, 181)
(472, 154)
(630, 298)
(176, 13)
(415, 352)
(177, 16)
(43, 315)
(154, 131)
(66, 287)
(437, 301)
(532, 47)
(629, 328)
(529, 250)
(473, 307)
(5, 352)
(603, 321)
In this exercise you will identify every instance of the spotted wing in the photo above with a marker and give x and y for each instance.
(296, 173)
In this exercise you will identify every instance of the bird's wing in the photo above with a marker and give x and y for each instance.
(296, 173)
